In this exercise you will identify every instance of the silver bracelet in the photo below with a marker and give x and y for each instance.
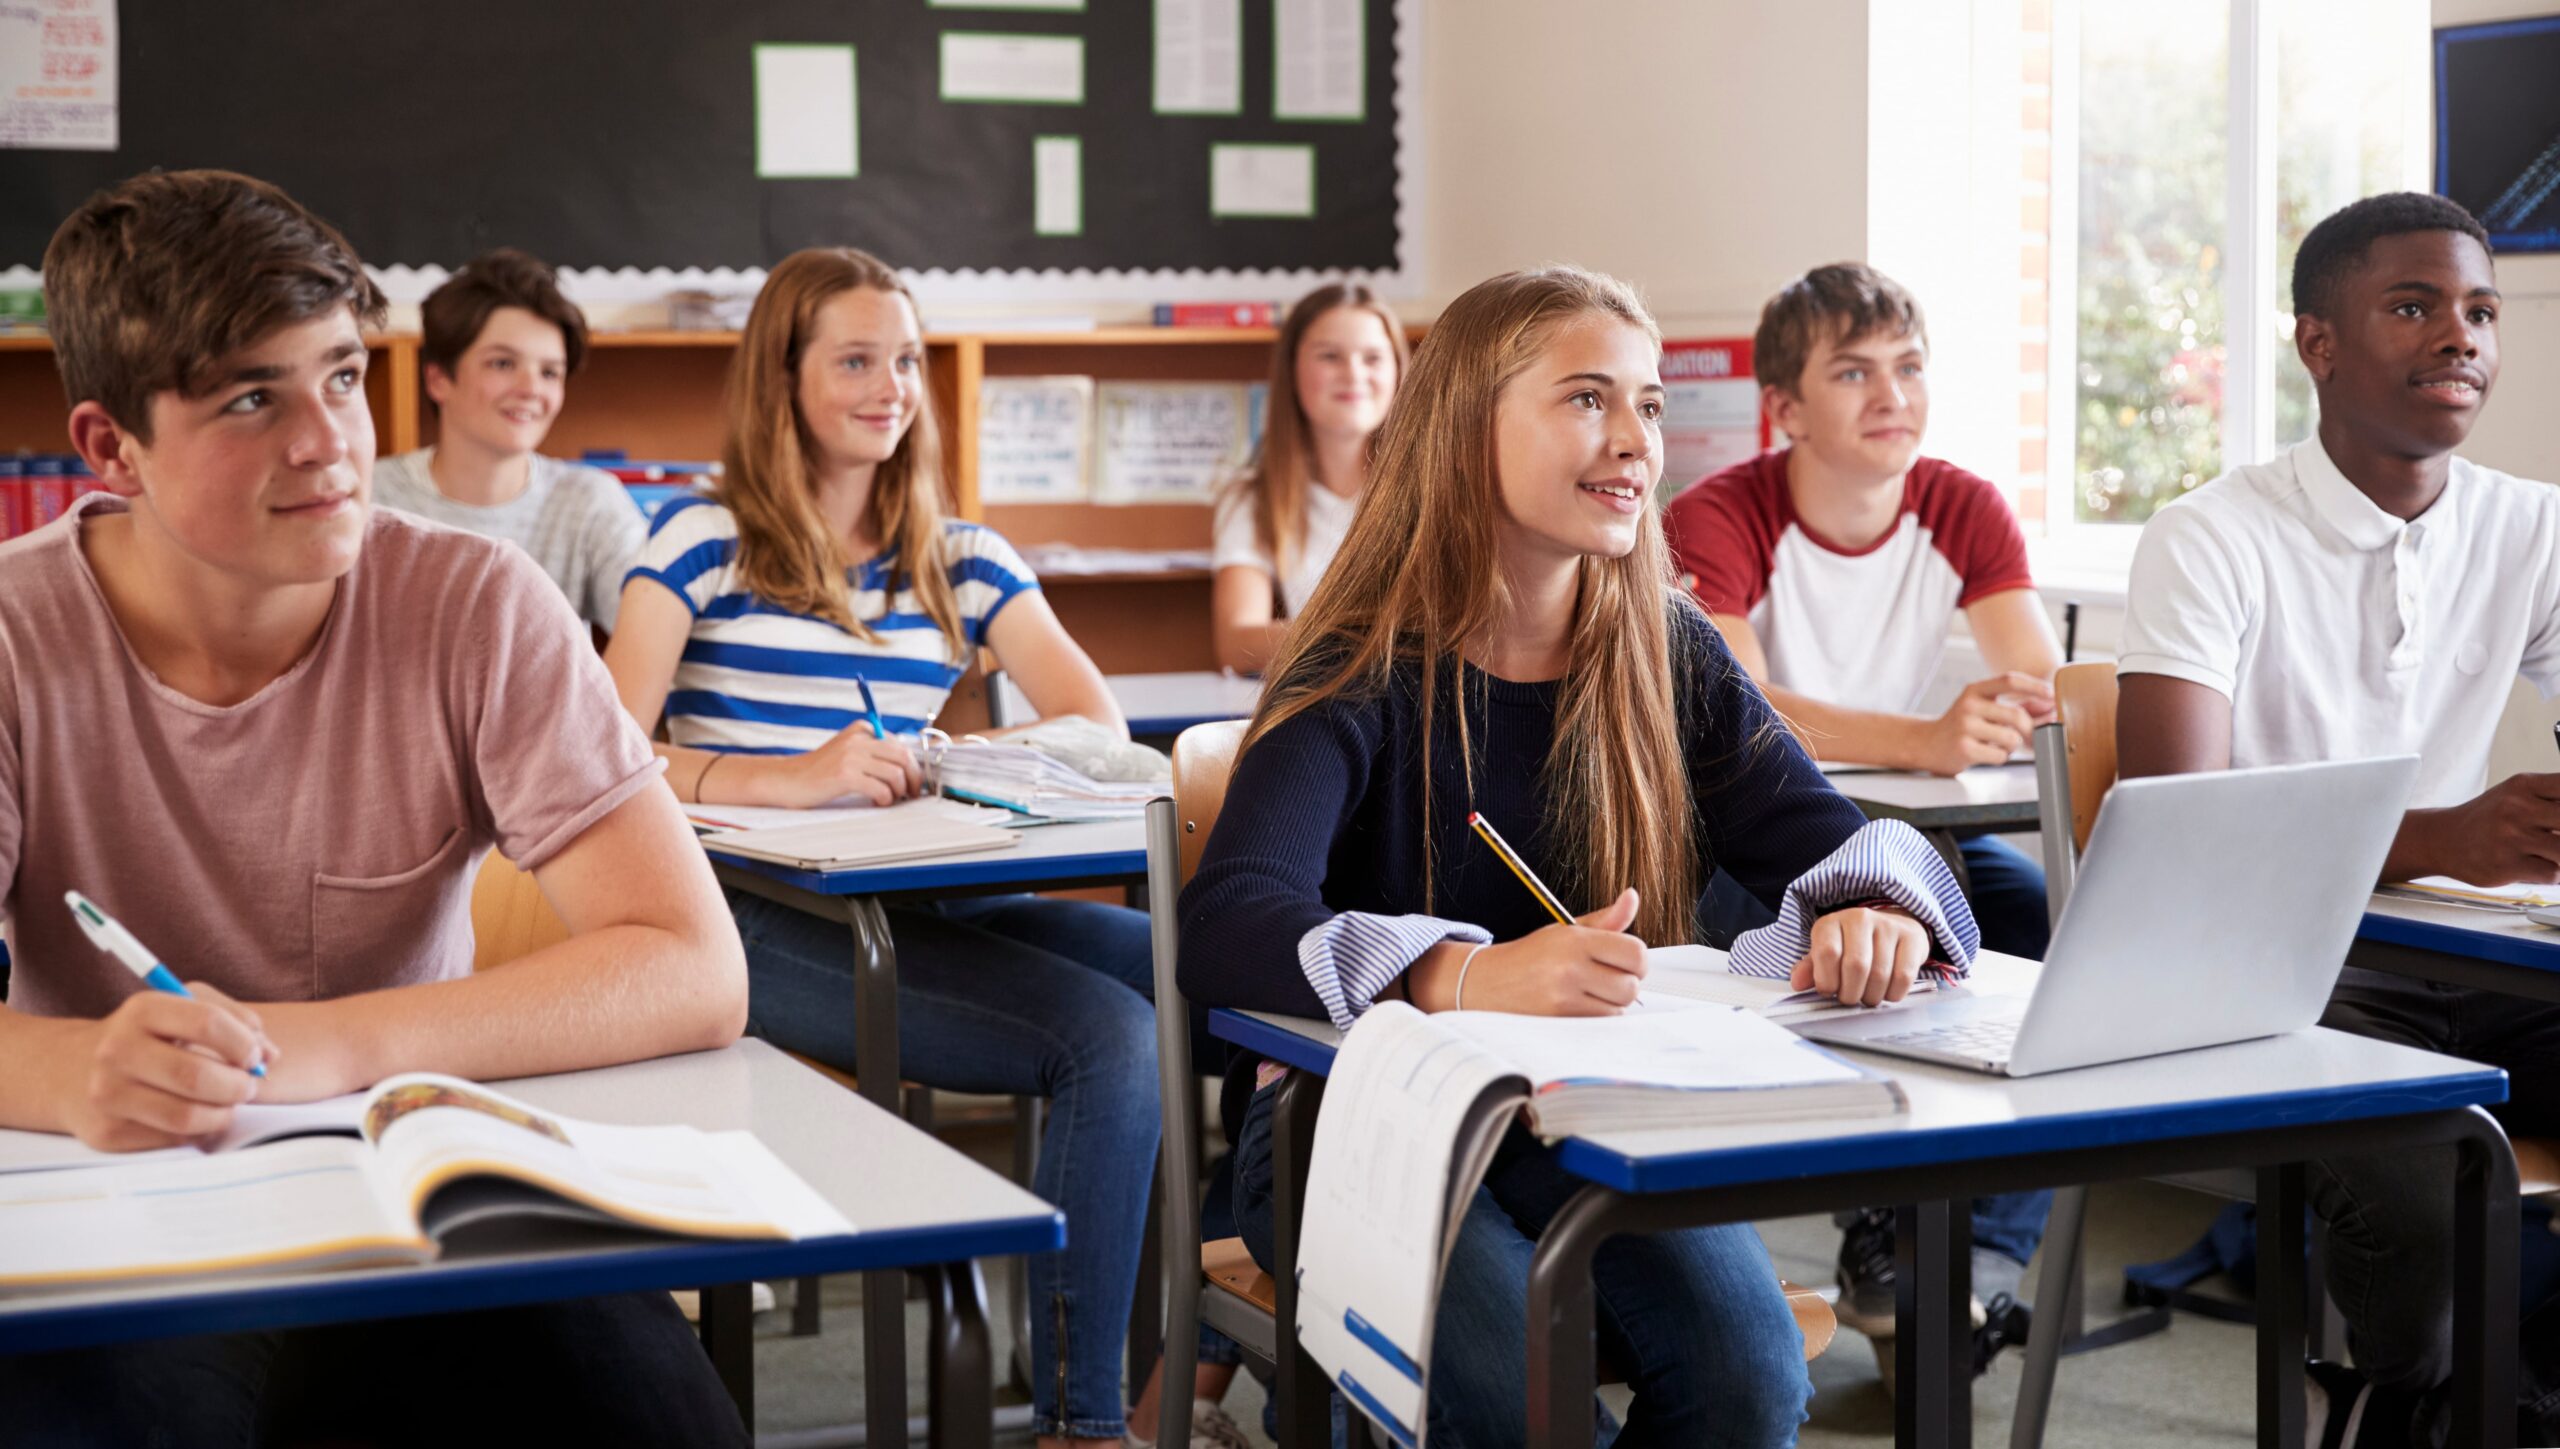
(1458, 1000)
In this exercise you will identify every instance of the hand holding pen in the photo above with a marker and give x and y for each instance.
(164, 1068)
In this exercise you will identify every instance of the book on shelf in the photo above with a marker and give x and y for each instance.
(1217, 314)
(384, 1177)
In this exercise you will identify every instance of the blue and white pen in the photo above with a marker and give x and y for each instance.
(109, 935)
(879, 731)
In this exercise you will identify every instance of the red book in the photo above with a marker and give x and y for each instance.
(1217, 314)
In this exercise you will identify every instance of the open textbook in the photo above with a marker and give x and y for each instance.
(848, 837)
(381, 1177)
(1416, 1105)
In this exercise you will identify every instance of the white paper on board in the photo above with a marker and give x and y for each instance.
(805, 111)
(1167, 442)
(1057, 185)
(1256, 180)
(1032, 436)
(1199, 66)
(58, 76)
(1323, 61)
(1022, 69)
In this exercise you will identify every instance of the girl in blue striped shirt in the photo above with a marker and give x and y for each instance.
(822, 554)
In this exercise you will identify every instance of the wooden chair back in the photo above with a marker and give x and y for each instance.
(1204, 758)
(509, 917)
(2085, 699)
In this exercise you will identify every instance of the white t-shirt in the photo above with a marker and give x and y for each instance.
(1232, 541)
(578, 523)
(2339, 632)
(1860, 627)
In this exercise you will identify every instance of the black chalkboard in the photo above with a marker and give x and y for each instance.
(621, 133)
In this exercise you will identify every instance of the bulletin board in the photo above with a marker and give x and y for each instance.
(1190, 147)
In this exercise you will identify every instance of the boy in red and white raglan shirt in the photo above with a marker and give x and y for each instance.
(1831, 567)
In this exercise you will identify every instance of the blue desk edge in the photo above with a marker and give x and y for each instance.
(325, 1298)
(2507, 950)
(2113, 1127)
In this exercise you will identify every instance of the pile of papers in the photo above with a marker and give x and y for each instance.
(1018, 777)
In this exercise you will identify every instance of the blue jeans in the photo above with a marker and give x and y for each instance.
(1695, 1317)
(2008, 903)
(1017, 995)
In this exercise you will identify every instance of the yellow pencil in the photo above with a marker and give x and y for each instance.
(1520, 868)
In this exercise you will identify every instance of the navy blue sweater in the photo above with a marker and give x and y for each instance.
(1324, 815)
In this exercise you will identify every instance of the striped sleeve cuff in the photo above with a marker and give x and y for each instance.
(1354, 956)
(1886, 860)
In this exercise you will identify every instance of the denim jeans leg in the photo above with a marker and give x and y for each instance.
(2007, 897)
(986, 1011)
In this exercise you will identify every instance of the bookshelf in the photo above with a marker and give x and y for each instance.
(657, 394)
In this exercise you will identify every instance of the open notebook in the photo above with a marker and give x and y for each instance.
(1677, 977)
(394, 1172)
(844, 838)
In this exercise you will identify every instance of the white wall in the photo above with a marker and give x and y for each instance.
(1705, 150)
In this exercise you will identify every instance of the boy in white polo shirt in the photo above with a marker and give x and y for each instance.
(2369, 593)
(1832, 568)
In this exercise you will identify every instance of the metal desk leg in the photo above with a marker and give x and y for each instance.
(728, 1334)
(2281, 1300)
(1564, 1368)
(1933, 1334)
(1305, 1394)
(2484, 1276)
(960, 1366)
(884, 1291)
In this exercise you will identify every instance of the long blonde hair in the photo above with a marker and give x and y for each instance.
(787, 554)
(1418, 580)
(1274, 484)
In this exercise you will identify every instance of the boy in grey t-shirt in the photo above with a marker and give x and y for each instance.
(499, 343)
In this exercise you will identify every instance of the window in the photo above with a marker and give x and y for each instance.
(2192, 143)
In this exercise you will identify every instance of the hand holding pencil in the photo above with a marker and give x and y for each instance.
(1580, 966)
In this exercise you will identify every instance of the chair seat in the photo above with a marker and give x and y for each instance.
(1226, 1263)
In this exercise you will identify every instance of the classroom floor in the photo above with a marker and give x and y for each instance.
(2189, 1386)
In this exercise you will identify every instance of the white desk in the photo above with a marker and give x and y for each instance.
(914, 1204)
(2267, 1104)
(1156, 705)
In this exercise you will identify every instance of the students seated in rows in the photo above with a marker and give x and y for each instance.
(2369, 592)
(1500, 634)
(822, 562)
(498, 343)
(1831, 567)
(274, 730)
(1334, 369)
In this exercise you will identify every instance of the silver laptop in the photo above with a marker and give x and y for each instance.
(2209, 908)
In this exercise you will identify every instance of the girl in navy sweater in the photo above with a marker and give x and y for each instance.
(1499, 634)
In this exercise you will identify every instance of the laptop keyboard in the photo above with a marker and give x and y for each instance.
(1989, 1039)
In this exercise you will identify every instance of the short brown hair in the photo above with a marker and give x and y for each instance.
(1837, 303)
(156, 279)
(449, 321)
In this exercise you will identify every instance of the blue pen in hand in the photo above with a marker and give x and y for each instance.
(109, 935)
(871, 707)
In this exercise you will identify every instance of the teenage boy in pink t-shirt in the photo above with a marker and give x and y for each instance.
(1833, 568)
(274, 732)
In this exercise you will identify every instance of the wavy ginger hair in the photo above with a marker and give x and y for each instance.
(1418, 581)
(786, 553)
